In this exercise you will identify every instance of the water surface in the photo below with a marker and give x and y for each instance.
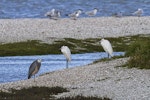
(16, 68)
(37, 8)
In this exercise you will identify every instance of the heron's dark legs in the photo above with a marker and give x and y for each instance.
(66, 63)
(34, 78)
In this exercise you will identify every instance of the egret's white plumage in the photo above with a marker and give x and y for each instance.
(107, 47)
(92, 12)
(139, 12)
(67, 53)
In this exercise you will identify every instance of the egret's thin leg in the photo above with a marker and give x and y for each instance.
(108, 55)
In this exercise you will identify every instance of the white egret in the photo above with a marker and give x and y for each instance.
(139, 12)
(67, 53)
(107, 47)
(34, 68)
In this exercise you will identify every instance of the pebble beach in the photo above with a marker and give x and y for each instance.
(102, 79)
(16, 30)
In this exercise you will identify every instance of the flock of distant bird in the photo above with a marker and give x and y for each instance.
(35, 66)
(56, 14)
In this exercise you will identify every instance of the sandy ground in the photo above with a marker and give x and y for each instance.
(100, 79)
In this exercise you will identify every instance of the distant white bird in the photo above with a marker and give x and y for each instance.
(67, 53)
(53, 14)
(75, 14)
(139, 12)
(34, 68)
(107, 47)
(92, 12)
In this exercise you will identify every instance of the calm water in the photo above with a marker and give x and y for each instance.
(37, 8)
(16, 68)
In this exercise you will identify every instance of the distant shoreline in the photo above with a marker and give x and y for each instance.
(47, 30)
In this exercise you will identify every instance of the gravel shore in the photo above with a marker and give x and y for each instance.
(15, 30)
(100, 79)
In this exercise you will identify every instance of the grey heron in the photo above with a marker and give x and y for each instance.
(34, 68)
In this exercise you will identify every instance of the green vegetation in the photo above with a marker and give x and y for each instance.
(41, 93)
(139, 53)
(35, 47)
(33, 93)
(24, 48)
(83, 98)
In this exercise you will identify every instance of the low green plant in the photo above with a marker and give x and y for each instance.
(139, 53)
(78, 97)
(35, 47)
(33, 93)
(42, 93)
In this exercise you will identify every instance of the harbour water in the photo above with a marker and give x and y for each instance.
(37, 8)
(16, 67)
